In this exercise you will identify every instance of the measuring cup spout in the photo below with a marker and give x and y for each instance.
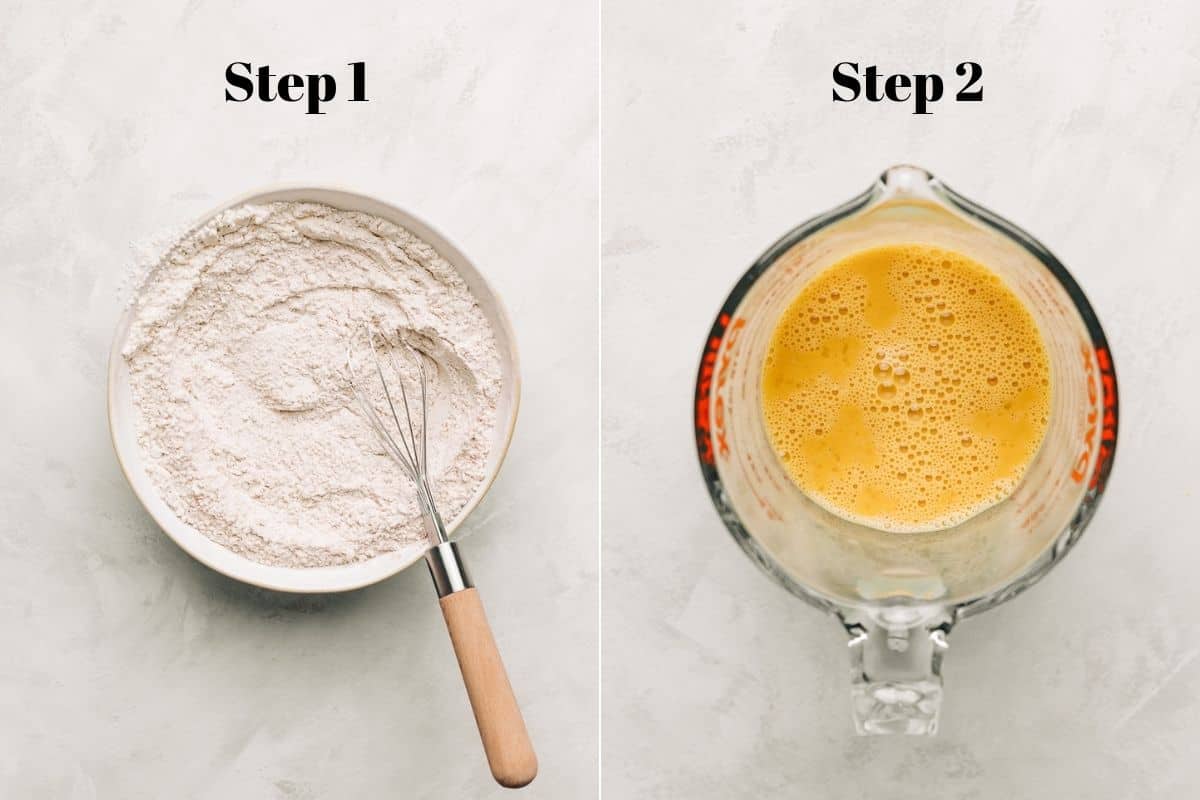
(906, 181)
(896, 670)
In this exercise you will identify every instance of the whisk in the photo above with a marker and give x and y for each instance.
(501, 727)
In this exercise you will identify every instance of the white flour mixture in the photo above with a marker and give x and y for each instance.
(237, 358)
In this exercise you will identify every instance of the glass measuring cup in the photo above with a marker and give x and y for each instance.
(898, 595)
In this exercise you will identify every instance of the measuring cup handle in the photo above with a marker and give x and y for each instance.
(501, 726)
(896, 677)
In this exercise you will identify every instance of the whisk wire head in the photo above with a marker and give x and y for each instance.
(418, 456)
(402, 444)
(409, 444)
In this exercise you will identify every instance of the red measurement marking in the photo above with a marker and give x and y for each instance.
(710, 415)
(1101, 421)
(704, 390)
(1108, 429)
(731, 337)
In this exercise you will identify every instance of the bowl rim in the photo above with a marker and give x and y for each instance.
(344, 577)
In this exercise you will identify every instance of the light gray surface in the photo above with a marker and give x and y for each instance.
(126, 669)
(720, 135)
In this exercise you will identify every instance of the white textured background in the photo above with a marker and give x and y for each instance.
(129, 671)
(719, 135)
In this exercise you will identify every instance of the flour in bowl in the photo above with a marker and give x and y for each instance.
(237, 357)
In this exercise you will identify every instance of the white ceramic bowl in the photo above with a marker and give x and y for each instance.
(322, 579)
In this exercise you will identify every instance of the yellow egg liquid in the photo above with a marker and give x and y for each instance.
(906, 388)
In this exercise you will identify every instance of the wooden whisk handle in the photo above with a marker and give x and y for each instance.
(501, 726)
